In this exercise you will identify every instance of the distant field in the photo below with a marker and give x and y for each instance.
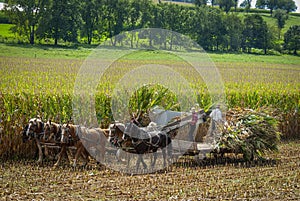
(5, 30)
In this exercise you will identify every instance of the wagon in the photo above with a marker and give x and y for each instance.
(176, 124)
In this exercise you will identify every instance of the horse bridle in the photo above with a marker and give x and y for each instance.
(114, 139)
(69, 136)
(33, 134)
(56, 130)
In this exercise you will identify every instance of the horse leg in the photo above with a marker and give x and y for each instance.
(69, 155)
(40, 151)
(128, 157)
(46, 151)
(170, 153)
(138, 162)
(85, 156)
(164, 156)
(154, 159)
(78, 153)
(143, 162)
(62, 151)
(140, 159)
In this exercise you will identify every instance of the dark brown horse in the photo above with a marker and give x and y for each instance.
(148, 140)
(115, 135)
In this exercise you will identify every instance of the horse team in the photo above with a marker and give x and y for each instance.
(92, 141)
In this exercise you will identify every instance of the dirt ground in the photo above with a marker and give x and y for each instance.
(276, 178)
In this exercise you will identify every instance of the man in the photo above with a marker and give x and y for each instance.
(216, 116)
(193, 123)
(216, 120)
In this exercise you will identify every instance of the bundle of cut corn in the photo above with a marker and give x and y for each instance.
(248, 132)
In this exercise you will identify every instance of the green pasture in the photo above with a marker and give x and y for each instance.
(74, 52)
(5, 31)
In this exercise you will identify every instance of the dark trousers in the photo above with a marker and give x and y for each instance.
(191, 132)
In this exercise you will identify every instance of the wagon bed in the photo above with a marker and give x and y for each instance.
(183, 147)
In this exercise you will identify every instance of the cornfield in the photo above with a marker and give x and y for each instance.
(32, 87)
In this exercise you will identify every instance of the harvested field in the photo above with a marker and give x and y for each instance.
(277, 178)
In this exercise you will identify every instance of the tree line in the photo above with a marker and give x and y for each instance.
(93, 21)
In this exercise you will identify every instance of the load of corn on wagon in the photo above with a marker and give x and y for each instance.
(247, 132)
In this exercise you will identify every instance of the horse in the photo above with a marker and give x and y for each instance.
(115, 135)
(95, 138)
(69, 137)
(34, 130)
(148, 140)
(77, 135)
(52, 134)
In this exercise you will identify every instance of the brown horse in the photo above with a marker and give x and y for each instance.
(52, 134)
(76, 135)
(34, 130)
(94, 139)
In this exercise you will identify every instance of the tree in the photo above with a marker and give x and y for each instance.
(226, 4)
(116, 13)
(212, 2)
(234, 29)
(256, 33)
(61, 20)
(91, 18)
(200, 2)
(246, 4)
(292, 39)
(281, 17)
(213, 30)
(25, 14)
(288, 5)
(270, 4)
(235, 4)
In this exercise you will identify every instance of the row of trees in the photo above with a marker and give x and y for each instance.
(287, 5)
(226, 5)
(96, 20)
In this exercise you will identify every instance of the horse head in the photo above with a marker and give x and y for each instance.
(70, 132)
(34, 128)
(52, 131)
(115, 132)
(65, 133)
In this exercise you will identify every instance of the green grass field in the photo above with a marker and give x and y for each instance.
(5, 31)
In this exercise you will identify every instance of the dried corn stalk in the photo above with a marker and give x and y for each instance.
(248, 132)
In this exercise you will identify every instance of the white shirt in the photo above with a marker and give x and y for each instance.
(216, 114)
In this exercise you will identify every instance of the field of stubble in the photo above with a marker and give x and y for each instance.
(277, 178)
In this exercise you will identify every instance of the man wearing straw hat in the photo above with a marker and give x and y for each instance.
(216, 120)
(193, 124)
